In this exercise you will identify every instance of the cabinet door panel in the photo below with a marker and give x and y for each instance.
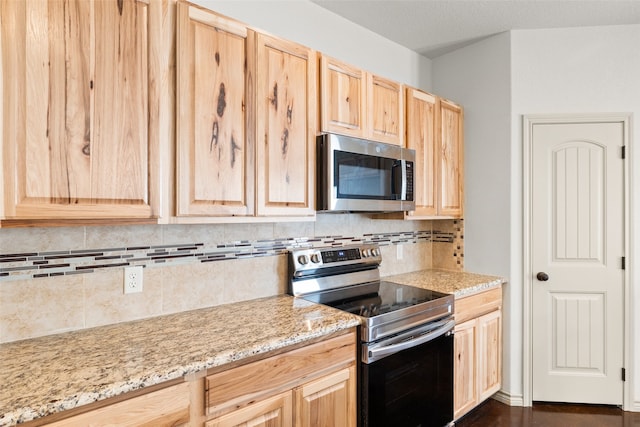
(214, 154)
(276, 411)
(327, 402)
(490, 353)
(286, 127)
(465, 388)
(77, 110)
(343, 98)
(421, 136)
(386, 110)
(451, 160)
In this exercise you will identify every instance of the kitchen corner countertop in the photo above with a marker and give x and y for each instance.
(42, 376)
(458, 283)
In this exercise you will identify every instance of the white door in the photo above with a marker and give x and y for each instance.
(577, 241)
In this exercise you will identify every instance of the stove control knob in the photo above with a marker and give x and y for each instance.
(303, 260)
(365, 253)
(315, 258)
(375, 252)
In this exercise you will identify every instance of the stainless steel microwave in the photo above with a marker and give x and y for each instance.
(356, 175)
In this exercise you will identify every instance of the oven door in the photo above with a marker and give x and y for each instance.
(411, 387)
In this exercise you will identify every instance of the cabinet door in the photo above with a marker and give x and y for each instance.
(76, 109)
(465, 395)
(343, 98)
(489, 353)
(421, 136)
(386, 110)
(215, 159)
(276, 411)
(163, 408)
(450, 160)
(328, 402)
(286, 127)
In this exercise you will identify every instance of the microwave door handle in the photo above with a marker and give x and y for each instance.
(403, 190)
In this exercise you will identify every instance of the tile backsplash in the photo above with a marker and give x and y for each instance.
(61, 279)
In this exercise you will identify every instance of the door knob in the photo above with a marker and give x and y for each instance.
(542, 276)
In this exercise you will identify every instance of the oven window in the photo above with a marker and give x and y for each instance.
(361, 176)
(411, 388)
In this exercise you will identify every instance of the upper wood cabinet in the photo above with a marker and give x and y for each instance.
(422, 137)
(286, 127)
(434, 131)
(450, 159)
(357, 103)
(246, 120)
(80, 138)
(215, 157)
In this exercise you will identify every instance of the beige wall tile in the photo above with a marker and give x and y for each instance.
(293, 229)
(210, 234)
(253, 231)
(190, 286)
(415, 256)
(19, 240)
(332, 224)
(123, 236)
(106, 303)
(255, 277)
(33, 308)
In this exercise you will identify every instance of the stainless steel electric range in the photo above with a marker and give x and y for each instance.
(405, 375)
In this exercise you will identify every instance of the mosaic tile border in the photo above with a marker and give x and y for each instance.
(33, 265)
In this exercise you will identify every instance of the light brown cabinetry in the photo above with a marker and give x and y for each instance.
(167, 407)
(286, 127)
(434, 131)
(477, 349)
(357, 103)
(82, 86)
(311, 386)
(450, 159)
(246, 120)
(214, 150)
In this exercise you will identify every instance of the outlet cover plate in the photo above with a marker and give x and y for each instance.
(133, 279)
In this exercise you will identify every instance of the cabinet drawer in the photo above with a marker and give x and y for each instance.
(229, 390)
(167, 407)
(478, 304)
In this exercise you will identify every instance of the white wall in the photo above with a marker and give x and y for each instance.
(578, 70)
(478, 77)
(309, 24)
(582, 70)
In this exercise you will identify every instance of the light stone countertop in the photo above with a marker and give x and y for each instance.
(458, 283)
(42, 376)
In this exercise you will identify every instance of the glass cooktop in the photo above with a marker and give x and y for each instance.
(389, 297)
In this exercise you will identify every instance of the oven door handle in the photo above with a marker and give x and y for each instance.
(380, 352)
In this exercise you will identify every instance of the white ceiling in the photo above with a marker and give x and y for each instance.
(435, 27)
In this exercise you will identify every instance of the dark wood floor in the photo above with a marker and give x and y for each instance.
(495, 414)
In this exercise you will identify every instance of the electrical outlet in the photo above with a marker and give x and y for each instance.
(133, 279)
(399, 252)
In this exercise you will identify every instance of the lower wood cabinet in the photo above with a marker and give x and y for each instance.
(163, 408)
(477, 349)
(312, 386)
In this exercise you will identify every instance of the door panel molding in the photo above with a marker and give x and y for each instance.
(528, 279)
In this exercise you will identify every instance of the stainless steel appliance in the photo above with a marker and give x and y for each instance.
(360, 175)
(405, 373)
